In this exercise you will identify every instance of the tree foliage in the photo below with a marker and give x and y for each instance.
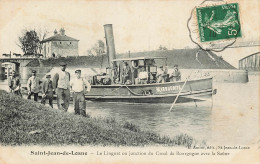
(97, 49)
(29, 41)
(162, 48)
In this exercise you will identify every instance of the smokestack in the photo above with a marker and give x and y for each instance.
(110, 43)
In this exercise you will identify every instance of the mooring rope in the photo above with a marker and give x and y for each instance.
(136, 94)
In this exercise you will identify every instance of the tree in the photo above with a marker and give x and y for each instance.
(101, 46)
(42, 33)
(97, 49)
(29, 42)
(161, 48)
(89, 53)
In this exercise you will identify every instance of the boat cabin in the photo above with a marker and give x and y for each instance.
(132, 71)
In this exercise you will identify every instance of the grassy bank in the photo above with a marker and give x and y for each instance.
(24, 122)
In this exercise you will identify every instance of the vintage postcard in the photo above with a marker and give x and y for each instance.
(126, 81)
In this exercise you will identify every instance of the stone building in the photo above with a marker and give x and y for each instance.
(60, 45)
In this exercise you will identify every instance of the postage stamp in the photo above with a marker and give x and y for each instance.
(218, 22)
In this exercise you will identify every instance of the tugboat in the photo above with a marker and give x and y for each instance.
(141, 83)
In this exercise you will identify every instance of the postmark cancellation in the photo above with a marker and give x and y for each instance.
(215, 25)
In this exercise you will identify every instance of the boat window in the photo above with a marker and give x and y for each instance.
(141, 62)
(153, 69)
(150, 62)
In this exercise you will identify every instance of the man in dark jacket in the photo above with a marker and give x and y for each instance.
(126, 73)
(47, 91)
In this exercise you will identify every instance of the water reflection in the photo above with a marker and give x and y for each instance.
(184, 118)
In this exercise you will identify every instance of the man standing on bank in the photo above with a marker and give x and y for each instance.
(33, 86)
(78, 86)
(61, 85)
(47, 91)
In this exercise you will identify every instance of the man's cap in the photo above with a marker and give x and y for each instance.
(62, 64)
(48, 76)
(33, 71)
(78, 71)
(161, 66)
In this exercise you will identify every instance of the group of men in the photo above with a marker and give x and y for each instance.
(139, 74)
(142, 76)
(61, 85)
(162, 75)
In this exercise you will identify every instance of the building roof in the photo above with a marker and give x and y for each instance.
(138, 58)
(59, 37)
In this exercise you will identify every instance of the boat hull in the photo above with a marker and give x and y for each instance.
(193, 90)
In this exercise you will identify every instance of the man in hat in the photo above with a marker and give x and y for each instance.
(33, 86)
(47, 91)
(78, 86)
(126, 73)
(135, 71)
(14, 84)
(61, 84)
(161, 75)
(176, 74)
(115, 73)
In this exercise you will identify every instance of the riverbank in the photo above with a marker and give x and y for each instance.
(25, 122)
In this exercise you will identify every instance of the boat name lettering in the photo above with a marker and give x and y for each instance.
(168, 88)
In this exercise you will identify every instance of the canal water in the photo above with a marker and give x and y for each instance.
(231, 117)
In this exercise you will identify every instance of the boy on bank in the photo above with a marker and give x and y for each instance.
(14, 84)
(78, 86)
(47, 91)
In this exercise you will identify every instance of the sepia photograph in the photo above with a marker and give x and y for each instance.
(128, 81)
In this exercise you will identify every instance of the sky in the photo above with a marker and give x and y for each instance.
(137, 25)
